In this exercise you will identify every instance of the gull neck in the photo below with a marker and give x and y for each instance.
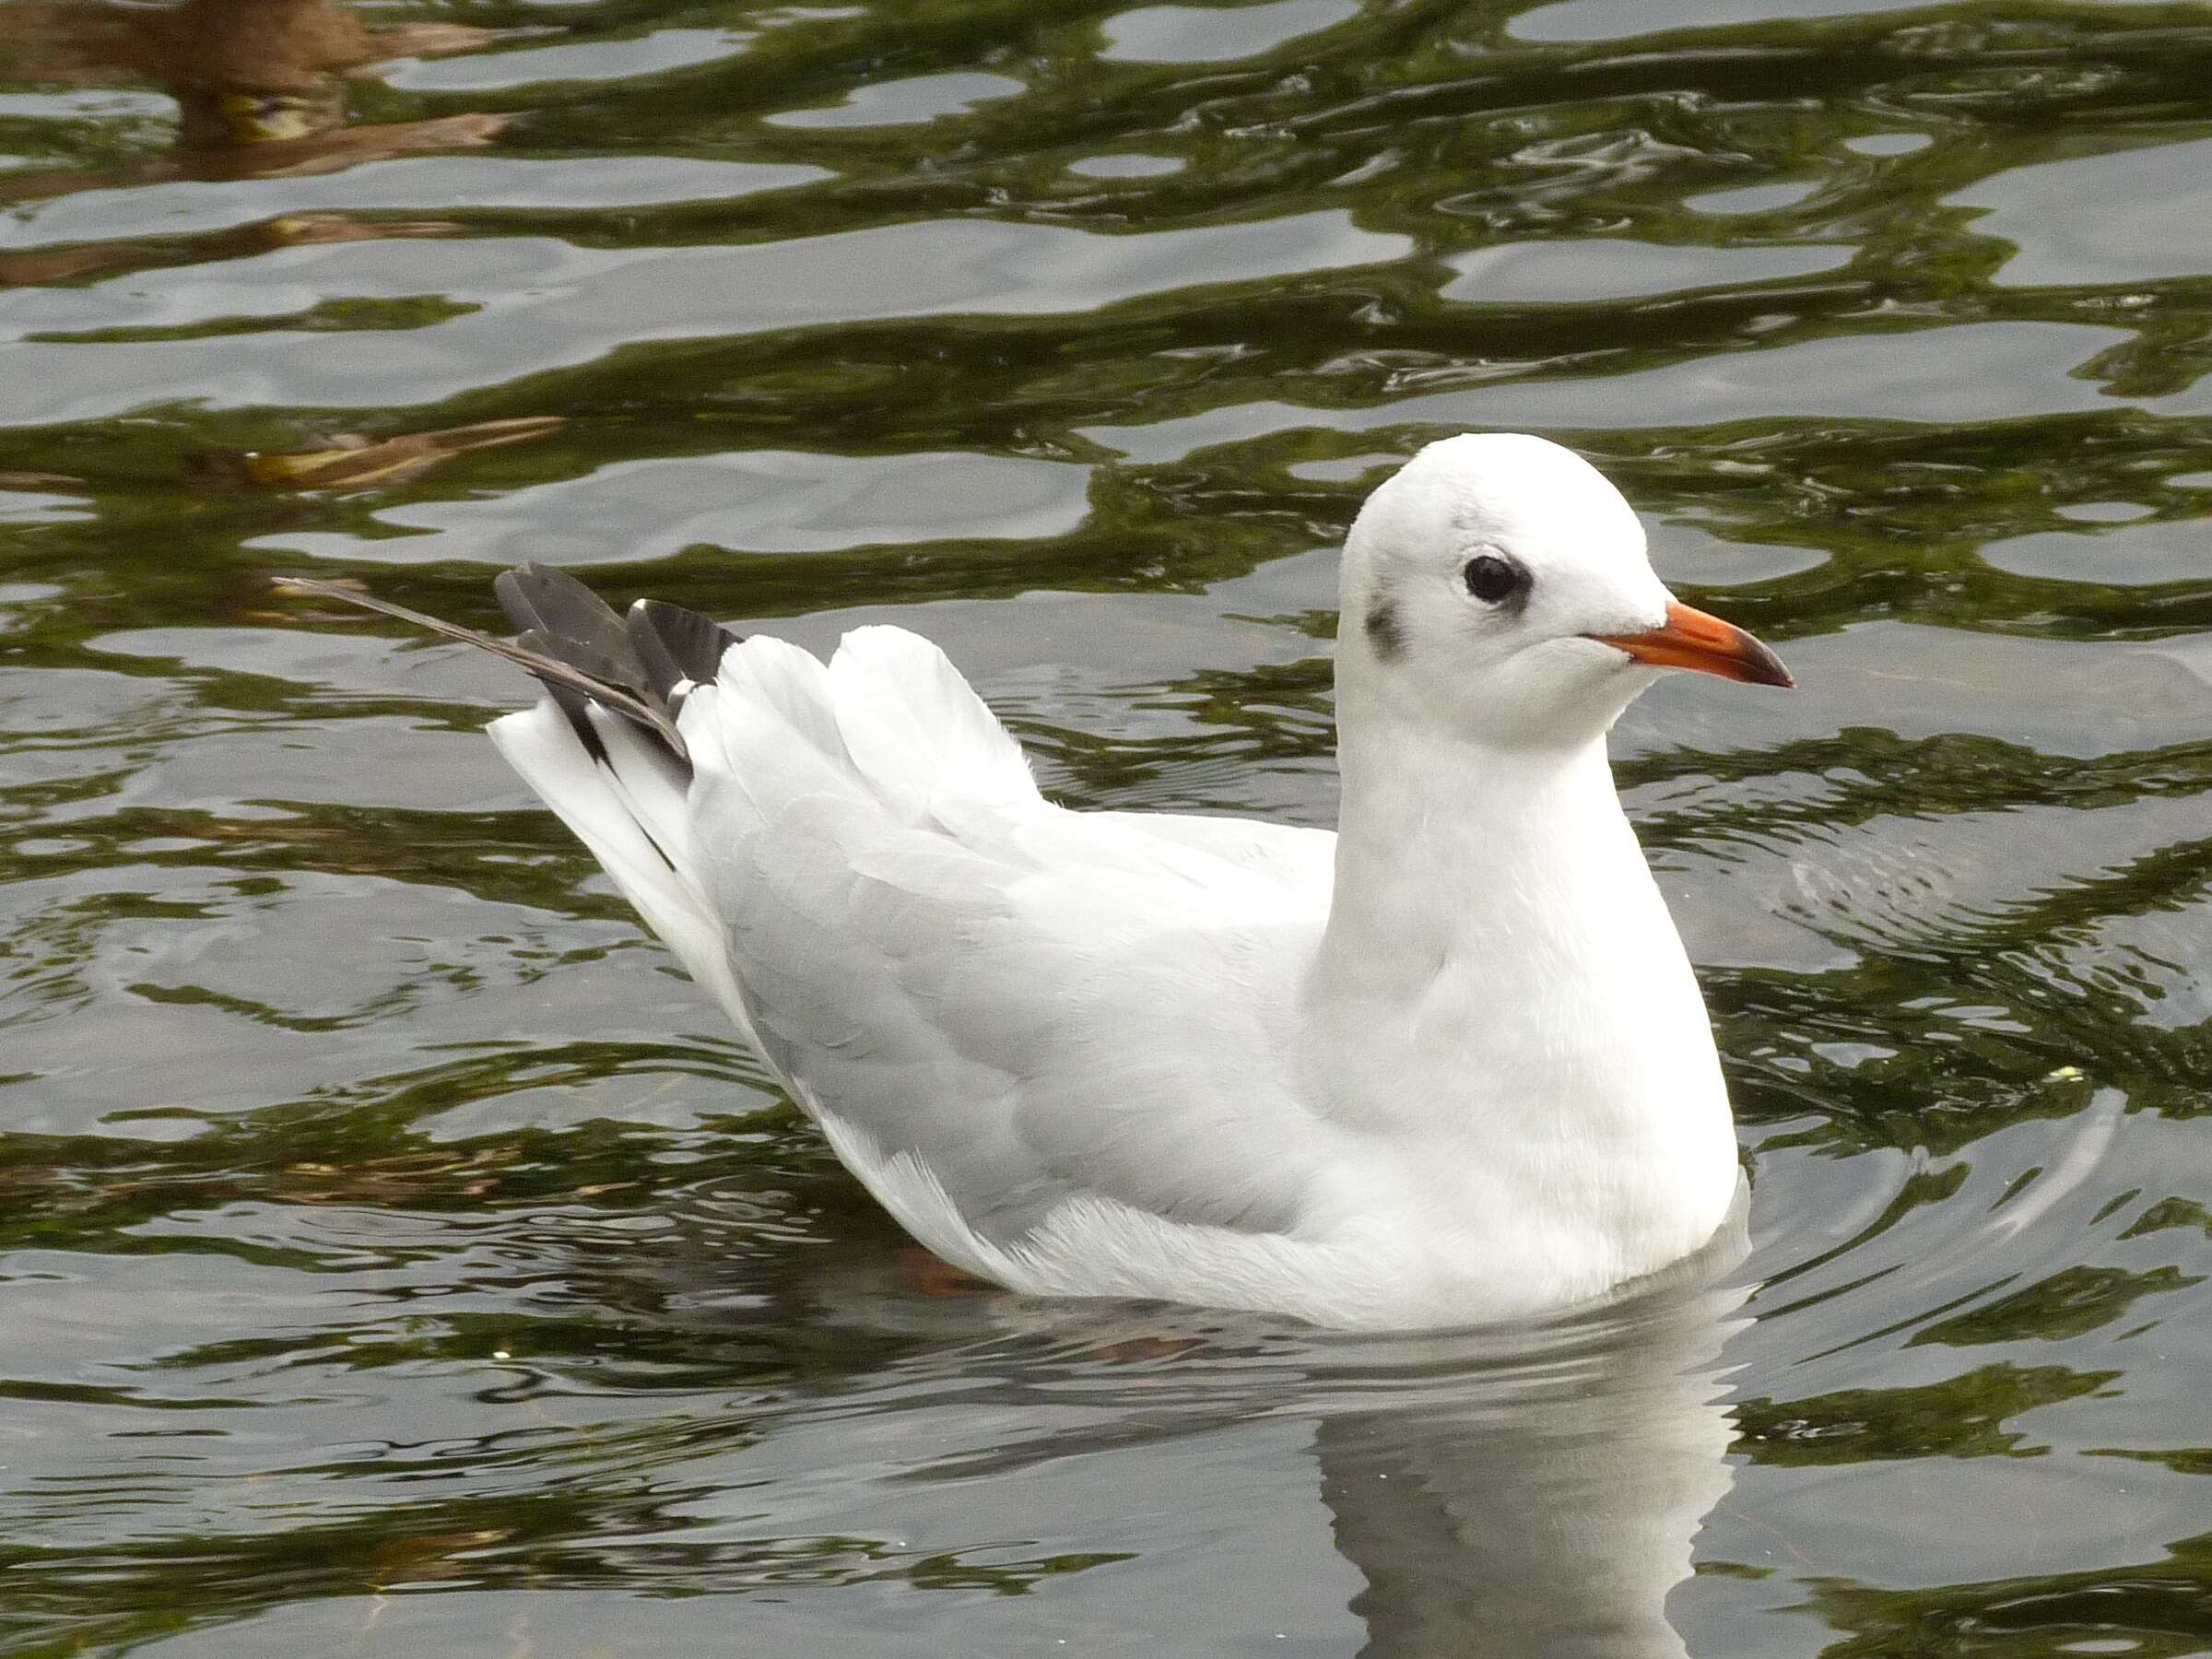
(1517, 857)
(1500, 998)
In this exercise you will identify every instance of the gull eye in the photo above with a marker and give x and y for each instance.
(1493, 580)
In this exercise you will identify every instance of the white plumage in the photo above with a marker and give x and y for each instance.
(1446, 1066)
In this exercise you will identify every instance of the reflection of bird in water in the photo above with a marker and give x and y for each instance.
(260, 93)
(1527, 1492)
(1543, 1507)
(258, 84)
(249, 72)
(1514, 1493)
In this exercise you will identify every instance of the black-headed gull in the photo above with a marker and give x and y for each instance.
(1448, 1065)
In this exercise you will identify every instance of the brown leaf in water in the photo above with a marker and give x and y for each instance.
(275, 158)
(304, 229)
(349, 147)
(354, 460)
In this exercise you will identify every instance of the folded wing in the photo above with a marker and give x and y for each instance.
(1002, 1013)
(1028, 1003)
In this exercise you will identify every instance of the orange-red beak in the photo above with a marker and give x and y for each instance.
(1693, 640)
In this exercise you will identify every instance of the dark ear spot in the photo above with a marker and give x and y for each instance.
(1385, 633)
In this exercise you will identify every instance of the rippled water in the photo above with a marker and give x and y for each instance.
(399, 1257)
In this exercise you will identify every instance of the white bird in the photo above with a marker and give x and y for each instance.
(1446, 1065)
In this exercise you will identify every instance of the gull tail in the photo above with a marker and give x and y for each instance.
(603, 749)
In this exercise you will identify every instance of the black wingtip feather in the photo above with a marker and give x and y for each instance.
(581, 650)
(582, 629)
(678, 644)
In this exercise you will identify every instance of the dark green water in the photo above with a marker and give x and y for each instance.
(397, 1257)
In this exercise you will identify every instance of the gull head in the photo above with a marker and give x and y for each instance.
(1497, 585)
